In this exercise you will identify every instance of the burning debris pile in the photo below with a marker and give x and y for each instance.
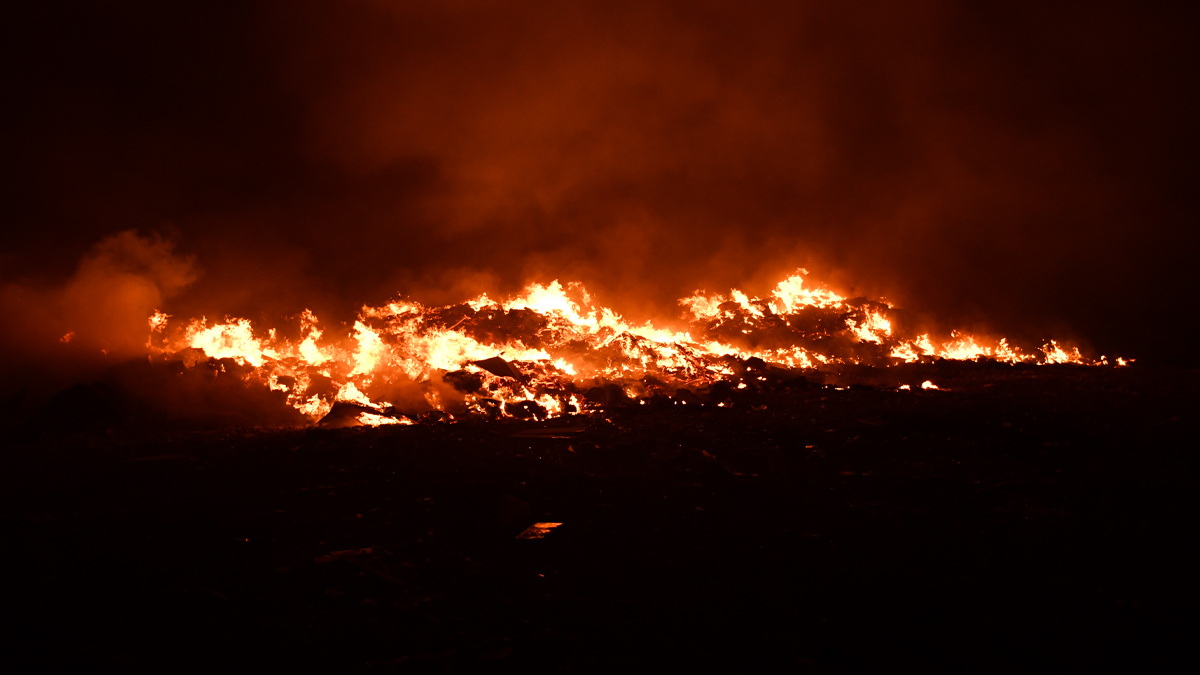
(551, 351)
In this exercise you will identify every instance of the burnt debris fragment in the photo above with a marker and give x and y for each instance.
(499, 367)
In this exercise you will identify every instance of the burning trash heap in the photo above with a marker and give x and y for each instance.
(550, 352)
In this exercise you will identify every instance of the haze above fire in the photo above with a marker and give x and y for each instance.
(1023, 171)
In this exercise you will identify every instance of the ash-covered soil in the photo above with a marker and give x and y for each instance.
(1018, 519)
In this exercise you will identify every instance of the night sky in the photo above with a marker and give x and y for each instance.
(1011, 167)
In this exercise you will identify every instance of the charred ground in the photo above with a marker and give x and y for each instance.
(1020, 518)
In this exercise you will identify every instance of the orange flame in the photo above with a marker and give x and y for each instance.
(531, 353)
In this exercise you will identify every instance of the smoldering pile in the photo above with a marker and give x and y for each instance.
(547, 353)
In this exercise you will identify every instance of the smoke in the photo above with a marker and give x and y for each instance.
(1019, 169)
(97, 318)
(119, 283)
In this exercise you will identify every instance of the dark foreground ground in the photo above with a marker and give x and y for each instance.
(1023, 520)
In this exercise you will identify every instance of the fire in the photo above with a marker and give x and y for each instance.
(534, 354)
(874, 328)
(963, 348)
(1056, 354)
(234, 340)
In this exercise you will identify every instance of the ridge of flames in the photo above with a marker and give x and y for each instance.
(534, 355)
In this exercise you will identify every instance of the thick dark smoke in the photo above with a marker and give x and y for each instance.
(1015, 167)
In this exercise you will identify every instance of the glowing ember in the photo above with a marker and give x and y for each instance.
(532, 355)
